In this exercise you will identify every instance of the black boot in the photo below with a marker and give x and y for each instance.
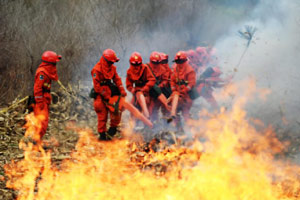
(111, 132)
(102, 136)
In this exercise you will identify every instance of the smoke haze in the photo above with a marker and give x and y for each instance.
(272, 59)
(81, 30)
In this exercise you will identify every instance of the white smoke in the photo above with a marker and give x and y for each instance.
(272, 58)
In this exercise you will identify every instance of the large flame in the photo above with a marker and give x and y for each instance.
(233, 161)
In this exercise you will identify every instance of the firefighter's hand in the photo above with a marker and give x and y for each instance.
(133, 90)
(183, 90)
(144, 89)
(161, 85)
(105, 93)
(123, 93)
(40, 105)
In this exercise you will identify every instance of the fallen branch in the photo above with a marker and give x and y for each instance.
(15, 105)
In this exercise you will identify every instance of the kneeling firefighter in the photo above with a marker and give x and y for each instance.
(107, 83)
(183, 81)
(45, 74)
(161, 74)
(139, 82)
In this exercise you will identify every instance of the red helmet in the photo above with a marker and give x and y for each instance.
(110, 55)
(180, 57)
(135, 58)
(191, 54)
(164, 58)
(155, 57)
(50, 57)
(201, 50)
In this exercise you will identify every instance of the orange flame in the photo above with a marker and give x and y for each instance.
(234, 162)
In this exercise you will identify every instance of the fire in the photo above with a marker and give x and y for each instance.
(234, 161)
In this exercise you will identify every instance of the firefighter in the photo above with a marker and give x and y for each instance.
(208, 80)
(212, 58)
(161, 75)
(202, 58)
(139, 81)
(45, 74)
(107, 83)
(209, 75)
(165, 63)
(193, 59)
(183, 80)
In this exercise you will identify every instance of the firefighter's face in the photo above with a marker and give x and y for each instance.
(180, 61)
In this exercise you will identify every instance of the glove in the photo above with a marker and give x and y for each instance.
(40, 105)
(132, 90)
(161, 85)
(123, 93)
(173, 89)
(144, 89)
(105, 92)
(184, 90)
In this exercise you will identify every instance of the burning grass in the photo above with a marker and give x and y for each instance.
(235, 162)
(226, 158)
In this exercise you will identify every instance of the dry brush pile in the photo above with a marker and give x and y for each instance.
(69, 105)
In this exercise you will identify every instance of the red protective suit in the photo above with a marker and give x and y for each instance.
(103, 76)
(44, 75)
(162, 75)
(183, 80)
(212, 58)
(139, 78)
(202, 59)
(205, 87)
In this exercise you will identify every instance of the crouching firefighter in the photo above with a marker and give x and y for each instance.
(45, 74)
(183, 81)
(107, 83)
(161, 74)
(139, 81)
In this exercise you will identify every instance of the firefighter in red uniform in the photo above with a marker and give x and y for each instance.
(209, 76)
(202, 58)
(166, 90)
(139, 78)
(45, 74)
(107, 83)
(212, 59)
(183, 80)
(161, 76)
(193, 59)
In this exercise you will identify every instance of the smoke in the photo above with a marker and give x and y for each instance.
(82, 30)
(272, 59)
(165, 26)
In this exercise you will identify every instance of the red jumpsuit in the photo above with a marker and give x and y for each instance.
(212, 59)
(201, 60)
(205, 88)
(103, 75)
(168, 73)
(183, 80)
(45, 73)
(139, 78)
(161, 73)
